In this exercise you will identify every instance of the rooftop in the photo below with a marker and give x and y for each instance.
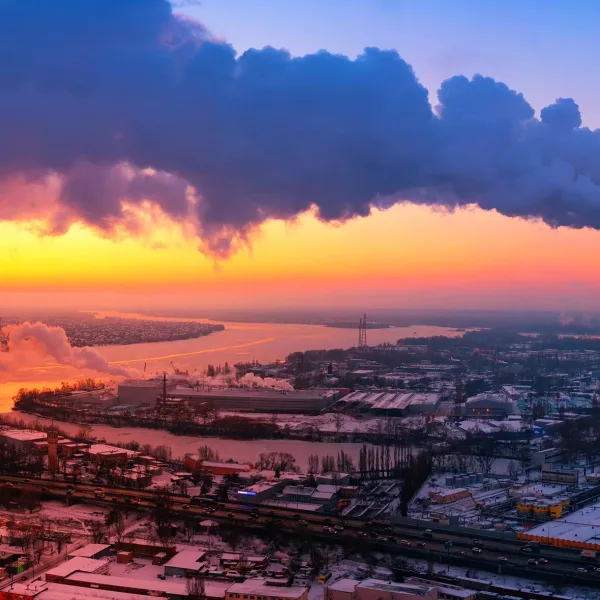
(262, 393)
(344, 585)
(75, 565)
(89, 550)
(106, 449)
(214, 589)
(24, 435)
(60, 591)
(398, 588)
(258, 587)
(187, 559)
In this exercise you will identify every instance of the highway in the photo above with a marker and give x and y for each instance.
(388, 537)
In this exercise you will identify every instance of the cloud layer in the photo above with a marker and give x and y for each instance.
(122, 100)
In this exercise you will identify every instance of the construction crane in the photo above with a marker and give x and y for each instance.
(177, 371)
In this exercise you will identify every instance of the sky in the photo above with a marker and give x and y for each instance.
(409, 255)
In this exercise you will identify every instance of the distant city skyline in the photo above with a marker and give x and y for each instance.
(405, 256)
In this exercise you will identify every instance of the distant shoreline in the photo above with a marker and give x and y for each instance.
(348, 325)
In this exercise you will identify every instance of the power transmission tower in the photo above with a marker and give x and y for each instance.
(362, 332)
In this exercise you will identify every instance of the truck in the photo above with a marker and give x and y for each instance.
(588, 555)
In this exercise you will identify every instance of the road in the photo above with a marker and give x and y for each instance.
(391, 538)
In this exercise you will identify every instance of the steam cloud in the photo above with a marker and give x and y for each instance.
(125, 102)
(38, 339)
(249, 380)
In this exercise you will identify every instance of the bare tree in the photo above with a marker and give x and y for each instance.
(195, 588)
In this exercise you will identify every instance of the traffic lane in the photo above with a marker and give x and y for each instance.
(147, 499)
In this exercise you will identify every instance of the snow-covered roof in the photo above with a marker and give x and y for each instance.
(77, 564)
(258, 587)
(187, 559)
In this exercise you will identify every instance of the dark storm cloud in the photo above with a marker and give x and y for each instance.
(125, 100)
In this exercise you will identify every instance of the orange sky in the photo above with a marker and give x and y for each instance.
(406, 256)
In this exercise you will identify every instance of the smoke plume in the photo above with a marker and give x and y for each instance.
(39, 340)
(125, 102)
(249, 380)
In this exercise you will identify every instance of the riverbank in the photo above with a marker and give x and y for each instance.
(238, 450)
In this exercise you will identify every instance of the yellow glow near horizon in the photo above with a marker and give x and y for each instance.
(406, 247)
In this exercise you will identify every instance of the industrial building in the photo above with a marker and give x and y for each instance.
(258, 400)
(382, 402)
(22, 439)
(375, 589)
(267, 589)
(489, 406)
(142, 391)
(147, 391)
(193, 462)
(186, 563)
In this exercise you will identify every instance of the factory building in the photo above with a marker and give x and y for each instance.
(267, 589)
(375, 589)
(389, 403)
(258, 400)
(490, 406)
(103, 454)
(553, 474)
(23, 440)
(142, 391)
(193, 462)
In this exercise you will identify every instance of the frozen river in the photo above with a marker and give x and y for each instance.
(238, 450)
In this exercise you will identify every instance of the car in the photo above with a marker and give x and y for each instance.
(478, 543)
(428, 533)
(161, 576)
(327, 529)
(9, 484)
(389, 529)
(338, 528)
(185, 506)
(532, 561)
(404, 543)
(303, 522)
(362, 534)
(230, 515)
(461, 553)
(45, 490)
(115, 499)
(383, 538)
(503, 559)
(526, 549)
(581, 570)
(421, 544)
(543, 561)
(476, 549)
